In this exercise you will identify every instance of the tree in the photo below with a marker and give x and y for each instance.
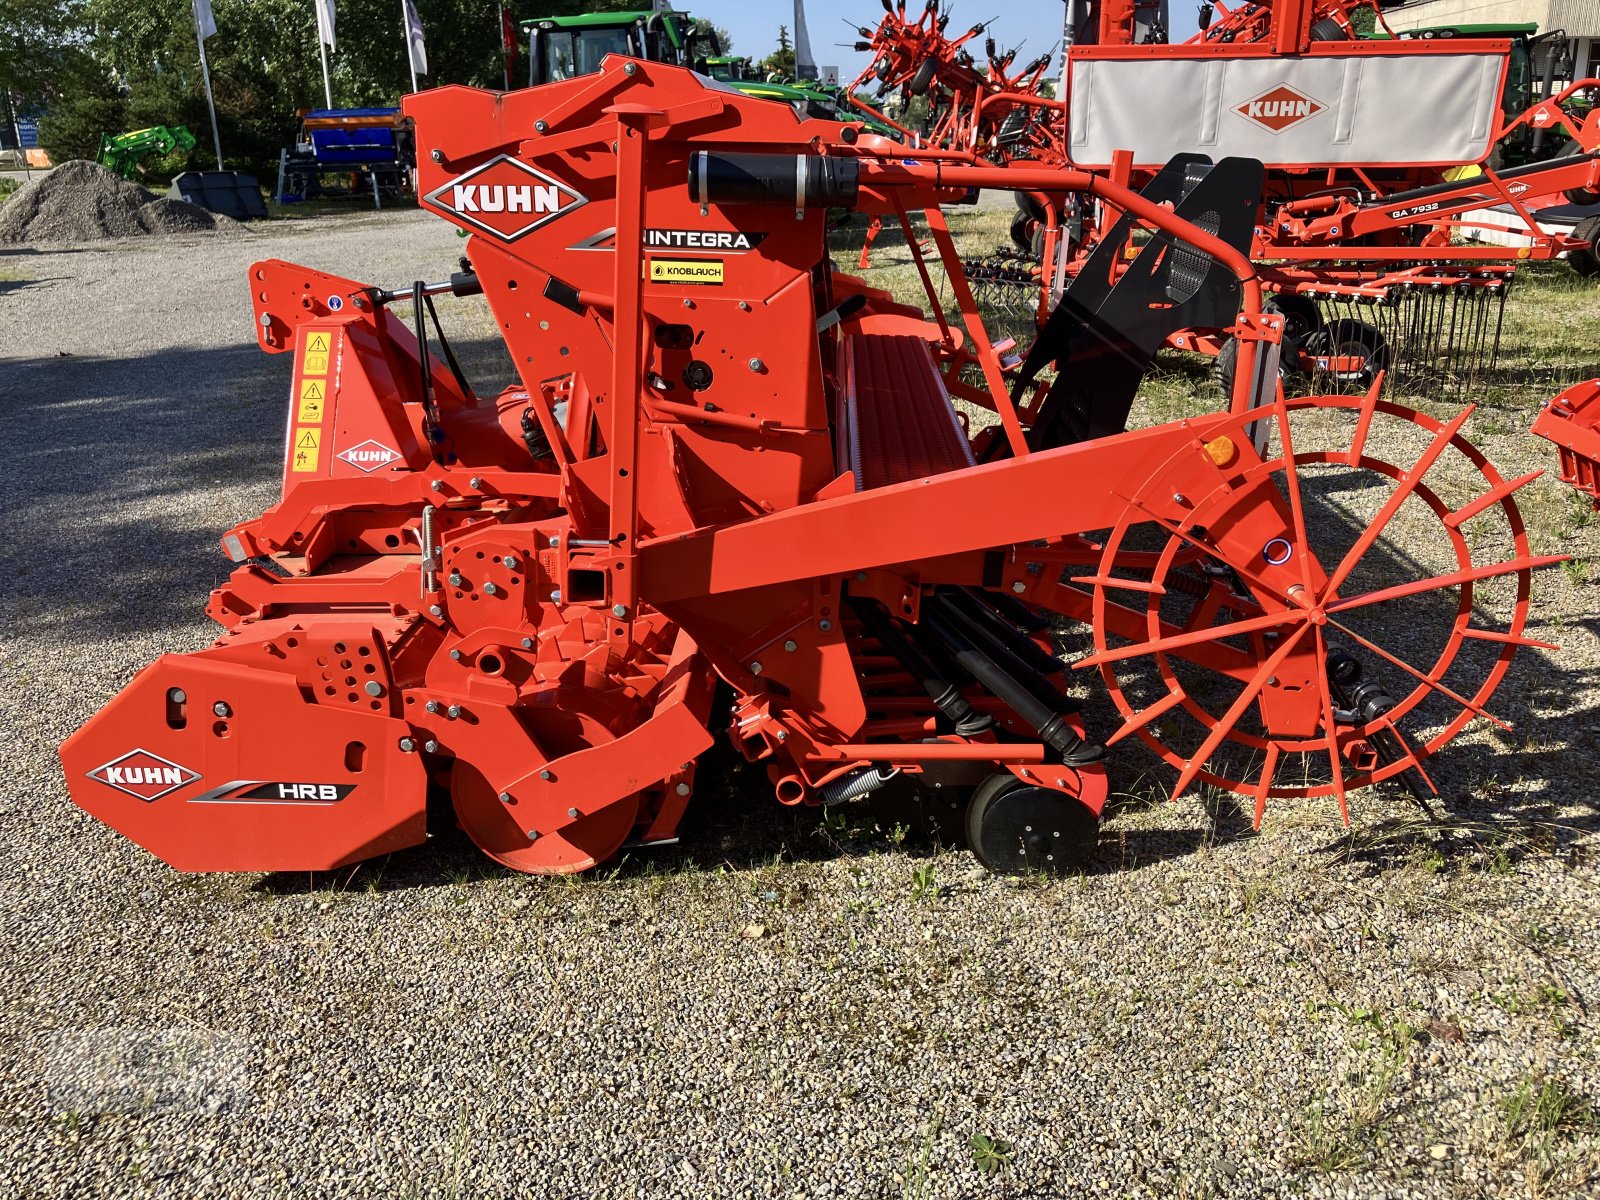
(780, 62)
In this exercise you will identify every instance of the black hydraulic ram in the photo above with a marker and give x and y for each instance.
(963, 718)
(795, 180)
(1032, 697)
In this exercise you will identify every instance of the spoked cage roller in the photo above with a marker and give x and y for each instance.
(1323, 615)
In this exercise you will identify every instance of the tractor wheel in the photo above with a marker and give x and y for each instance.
(1586, 262)
(1577, 195)
(1022, 227)
(1340, 536)
(924, 76)
(1015, 828)
(1346, 338)
(1328, 30)
(1301, 316)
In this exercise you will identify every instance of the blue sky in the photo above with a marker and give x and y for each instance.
(754, 25)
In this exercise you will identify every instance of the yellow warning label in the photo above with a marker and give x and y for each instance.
(701, 271)
(317, 343)
(306, 449)
(314, 364)
(313, 394)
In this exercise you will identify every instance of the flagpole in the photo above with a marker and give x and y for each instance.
(205, 73)
(405, 32)
(505, 58)
(327, 88)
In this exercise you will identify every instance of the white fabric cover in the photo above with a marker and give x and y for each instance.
(1371, 106)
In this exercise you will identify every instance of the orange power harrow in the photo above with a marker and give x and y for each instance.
(730, 494)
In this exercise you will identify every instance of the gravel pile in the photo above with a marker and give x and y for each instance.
(775, 1008)
(84, 202)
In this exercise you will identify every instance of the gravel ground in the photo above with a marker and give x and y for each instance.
(779, 1007)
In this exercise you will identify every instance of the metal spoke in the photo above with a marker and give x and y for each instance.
(1440, 582)
(1408, 484)
(1428, 680)
(1177, 641)
(1225, 725)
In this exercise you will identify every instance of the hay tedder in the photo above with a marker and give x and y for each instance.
(735, 491)
(1378, 151)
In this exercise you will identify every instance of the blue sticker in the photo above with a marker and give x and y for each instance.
(335, 303)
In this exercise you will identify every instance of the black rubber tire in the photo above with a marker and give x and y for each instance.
(1346, 336)
(1301, 317)
(1014, 828)
(1577, 195)
(1022, 227)
(1586, 262)
(923, 77)
(1328, 30)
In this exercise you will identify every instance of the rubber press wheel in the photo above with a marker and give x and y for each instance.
(1014, 828)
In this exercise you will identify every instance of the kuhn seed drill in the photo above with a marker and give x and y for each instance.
(726, 461)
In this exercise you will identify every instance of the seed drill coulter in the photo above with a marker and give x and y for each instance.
(735, 492)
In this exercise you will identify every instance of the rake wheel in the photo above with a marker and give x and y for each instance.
(1222, 673)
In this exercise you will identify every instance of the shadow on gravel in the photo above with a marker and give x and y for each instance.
(131, 472)
(8, 286)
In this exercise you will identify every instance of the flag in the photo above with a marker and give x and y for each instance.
(414, 42)
(325, 22)
(203, 20)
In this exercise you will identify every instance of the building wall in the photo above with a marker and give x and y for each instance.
(1580, 18)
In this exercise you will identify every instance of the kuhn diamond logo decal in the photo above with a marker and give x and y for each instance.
(143, 775)
(368, 456)
(506, 198)
(1279, 108)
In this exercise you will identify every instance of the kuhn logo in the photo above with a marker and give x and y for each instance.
(143, 775)
(506, 198)
(368, 456)
(1279, 108)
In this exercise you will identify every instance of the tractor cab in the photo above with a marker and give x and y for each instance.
(563, 47)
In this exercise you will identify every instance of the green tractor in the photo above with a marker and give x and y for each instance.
(125, 153)
(561, 47)
(1540, 64)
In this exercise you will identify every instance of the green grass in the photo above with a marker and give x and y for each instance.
(7, 186)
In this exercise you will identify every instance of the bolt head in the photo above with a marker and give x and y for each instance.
(266, 320)
(374, 688)
(541, 126)
(437, 156)
(435, 610)
(437, 485)
(757, 365)
(1019, 586)
(489, 589)
(755, 668)
(555, 541)
(682, 789)
(555, 596)
(630, 69)
(177, 696)
(527, 643)
(455, 655)
(573, 813)
(533, 835)
(453, 711)
(825, 625)
(221, 709)
(546, 776)
(619, 611)
(791, 645)
(475, 483)
(434, 706)
(407, 745)
(431, 746)
(505, 797)
(455, 579)
(510, 562)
